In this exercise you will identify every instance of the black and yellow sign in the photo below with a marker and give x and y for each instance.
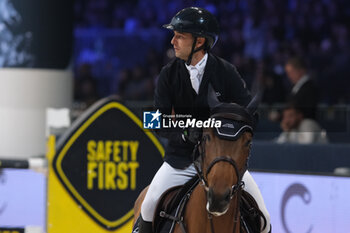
(105, 160)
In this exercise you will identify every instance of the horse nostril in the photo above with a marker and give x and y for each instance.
(217, 199)
(210, 195)
(218, 203)
(227, 196)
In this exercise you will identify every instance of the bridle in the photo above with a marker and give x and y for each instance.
(200, 151)
(200, 148)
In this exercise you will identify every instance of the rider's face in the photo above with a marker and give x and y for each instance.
(182, 43)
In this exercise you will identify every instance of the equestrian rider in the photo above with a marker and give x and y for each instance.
(182, 88)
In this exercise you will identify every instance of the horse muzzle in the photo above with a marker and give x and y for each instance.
(218, 204)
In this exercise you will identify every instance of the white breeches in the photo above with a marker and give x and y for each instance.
(252, 188)
(165, 178)
(168, 177)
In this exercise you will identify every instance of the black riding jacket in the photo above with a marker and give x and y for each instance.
(174, 95)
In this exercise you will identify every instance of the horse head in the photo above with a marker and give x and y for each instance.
(224, 152)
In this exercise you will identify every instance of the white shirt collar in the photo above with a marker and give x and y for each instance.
(300, 83)
(200, 66)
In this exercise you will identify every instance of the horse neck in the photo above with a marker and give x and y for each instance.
(196, 215)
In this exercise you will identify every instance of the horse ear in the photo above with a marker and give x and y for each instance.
(254, 103)
(213, 101)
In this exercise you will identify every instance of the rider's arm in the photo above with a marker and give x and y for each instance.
(163, 102)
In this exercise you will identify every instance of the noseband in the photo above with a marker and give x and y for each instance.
(235, 187)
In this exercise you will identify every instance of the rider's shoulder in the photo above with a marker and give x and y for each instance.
(172, 67)
(174, 63)
(221, 62)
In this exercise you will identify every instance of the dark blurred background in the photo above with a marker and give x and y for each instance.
(120, 47)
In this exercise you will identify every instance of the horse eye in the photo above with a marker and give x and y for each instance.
(206, 137)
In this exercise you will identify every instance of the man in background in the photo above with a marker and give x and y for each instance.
(304, 94)
(298, 129)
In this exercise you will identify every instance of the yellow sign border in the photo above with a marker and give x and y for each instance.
(86, 205)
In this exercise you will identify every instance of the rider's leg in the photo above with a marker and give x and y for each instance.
(252, 188)
(165, 178)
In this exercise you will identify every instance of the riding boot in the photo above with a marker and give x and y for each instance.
(144, 226)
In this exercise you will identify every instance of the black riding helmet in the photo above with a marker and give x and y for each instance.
(200, 23)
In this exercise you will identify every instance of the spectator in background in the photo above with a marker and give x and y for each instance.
(270, 84)
(121, 82)
(135, 84)
(304, 94)
(298, 129)
(254, 32)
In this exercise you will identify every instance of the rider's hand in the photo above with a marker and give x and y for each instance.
(192, 135)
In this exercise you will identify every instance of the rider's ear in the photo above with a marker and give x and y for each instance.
(200, 41)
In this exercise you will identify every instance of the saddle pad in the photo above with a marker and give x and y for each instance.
(250, 214)
(170, 206)
(231, 130)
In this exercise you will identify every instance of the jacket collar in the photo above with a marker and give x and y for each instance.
(208, 73)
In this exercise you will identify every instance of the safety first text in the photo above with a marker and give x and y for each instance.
(112, 165)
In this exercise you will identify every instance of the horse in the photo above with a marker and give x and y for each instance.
(214, 205)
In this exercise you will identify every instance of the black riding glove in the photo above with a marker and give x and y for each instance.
(192, 135)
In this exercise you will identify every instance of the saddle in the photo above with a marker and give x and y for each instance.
(171, 206)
